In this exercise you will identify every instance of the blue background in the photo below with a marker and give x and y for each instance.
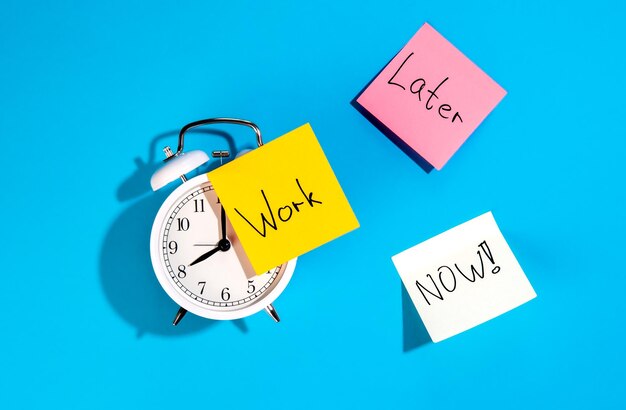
(90, 93)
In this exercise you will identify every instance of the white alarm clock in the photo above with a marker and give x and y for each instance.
(196, 255)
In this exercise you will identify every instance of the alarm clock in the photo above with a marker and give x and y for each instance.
(197, 257)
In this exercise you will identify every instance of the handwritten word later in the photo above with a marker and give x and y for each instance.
(418, 85)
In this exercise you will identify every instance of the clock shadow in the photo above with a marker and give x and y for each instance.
(414, 333)
(126, 273)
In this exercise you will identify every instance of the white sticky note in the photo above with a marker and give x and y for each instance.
(463, 277)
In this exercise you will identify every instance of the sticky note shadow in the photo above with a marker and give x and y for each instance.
(414, 333)
(418, 159)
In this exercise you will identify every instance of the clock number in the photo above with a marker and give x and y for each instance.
(203, 284)
(199, 205)
(251, 287)
(181, 272)
(183, 224)
(173, 247)
(218, 200)
(225, 294)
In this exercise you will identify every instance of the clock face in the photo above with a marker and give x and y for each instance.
(222, 286)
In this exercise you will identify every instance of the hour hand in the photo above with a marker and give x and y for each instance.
(205, 256)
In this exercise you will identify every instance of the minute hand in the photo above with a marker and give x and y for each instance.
(205, 256)
(223, 222)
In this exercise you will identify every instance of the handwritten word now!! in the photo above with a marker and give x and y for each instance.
(284, 213)
(450, 276)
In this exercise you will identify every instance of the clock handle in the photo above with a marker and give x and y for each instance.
(236, 121)
(272, 312)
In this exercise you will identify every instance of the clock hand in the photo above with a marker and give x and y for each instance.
(223, 244)
(205, 256)
(223, 222)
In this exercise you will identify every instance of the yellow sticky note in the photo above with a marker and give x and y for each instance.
(283, 199)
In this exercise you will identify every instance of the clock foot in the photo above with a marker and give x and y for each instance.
(272, 312)
(179, 316)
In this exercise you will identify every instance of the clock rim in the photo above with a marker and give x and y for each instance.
(173, 293)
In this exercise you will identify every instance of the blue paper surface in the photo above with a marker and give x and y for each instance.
(90, 93)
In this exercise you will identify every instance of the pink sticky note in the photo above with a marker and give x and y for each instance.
(431, 96)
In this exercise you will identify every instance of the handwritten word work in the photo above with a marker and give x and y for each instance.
(284, 213)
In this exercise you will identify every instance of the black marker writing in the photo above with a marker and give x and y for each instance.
(396, 73)
(263, 218)
(284, 213)
(483, 245)
(416, 88)
(448, 277)
(453, 287)
(420, 287)
(473, 270)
